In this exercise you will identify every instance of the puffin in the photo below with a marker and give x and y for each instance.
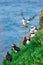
(8, 57)
(28, 38)
(15, 48)
(26, 22)
(36, 29)
(32, 29)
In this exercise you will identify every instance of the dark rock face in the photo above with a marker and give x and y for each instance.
(41, 19)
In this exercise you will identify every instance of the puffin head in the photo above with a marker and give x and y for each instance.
(13, 45)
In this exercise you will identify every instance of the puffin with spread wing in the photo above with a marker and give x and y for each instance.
(26, 22)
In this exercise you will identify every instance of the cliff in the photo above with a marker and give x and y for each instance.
(32, 54)
(41, 19)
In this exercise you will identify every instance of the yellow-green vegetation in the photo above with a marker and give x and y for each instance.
(41, 19)
(31, 54)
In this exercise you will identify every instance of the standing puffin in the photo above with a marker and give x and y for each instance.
(35, 31)
(15, 48)
(8, 57)
(28, 38)
(32, 29)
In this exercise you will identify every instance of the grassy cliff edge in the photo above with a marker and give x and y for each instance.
(32, 54)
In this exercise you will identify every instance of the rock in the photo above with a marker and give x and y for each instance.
(41, 20)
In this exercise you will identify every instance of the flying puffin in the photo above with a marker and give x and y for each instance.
(26, 22)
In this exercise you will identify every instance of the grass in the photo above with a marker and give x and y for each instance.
(32, 54)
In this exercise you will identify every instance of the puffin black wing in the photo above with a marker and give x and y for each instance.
(17, 49)
(31, 18)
